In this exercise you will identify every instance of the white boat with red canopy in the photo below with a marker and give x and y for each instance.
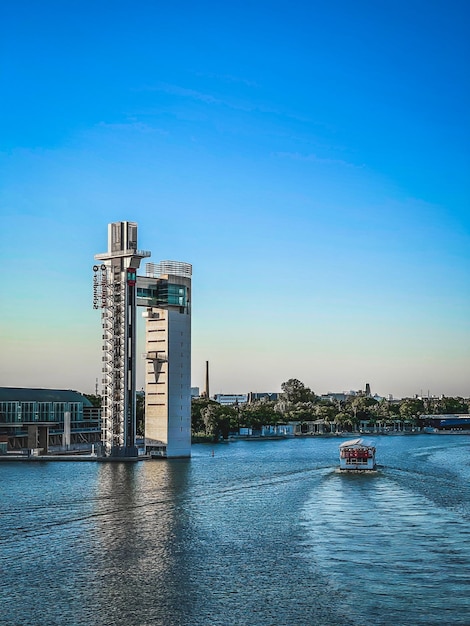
(357, 455)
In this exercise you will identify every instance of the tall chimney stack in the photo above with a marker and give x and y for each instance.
(206, 389)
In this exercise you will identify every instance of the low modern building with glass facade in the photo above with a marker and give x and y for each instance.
(41, 418)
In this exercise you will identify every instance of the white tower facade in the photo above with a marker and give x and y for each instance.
(115, 292)
(166, 293)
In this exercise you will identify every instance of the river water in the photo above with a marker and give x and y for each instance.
(263, 533)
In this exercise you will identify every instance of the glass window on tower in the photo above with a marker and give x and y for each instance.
(177, 294)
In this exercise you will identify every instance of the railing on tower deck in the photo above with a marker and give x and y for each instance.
(176, 268)
(122, 253)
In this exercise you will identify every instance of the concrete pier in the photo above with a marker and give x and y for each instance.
(46, 458)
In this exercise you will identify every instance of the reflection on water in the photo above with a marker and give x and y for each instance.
(139, 538)
(262, 533)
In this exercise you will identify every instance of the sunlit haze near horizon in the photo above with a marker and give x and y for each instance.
(311, 161)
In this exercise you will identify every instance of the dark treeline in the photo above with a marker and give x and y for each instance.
(298, 403)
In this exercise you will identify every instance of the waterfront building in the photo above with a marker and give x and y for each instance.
(40, 418)
(311, 427)
(166, 294)
(455, 422)
(387, 426)
(279, 430)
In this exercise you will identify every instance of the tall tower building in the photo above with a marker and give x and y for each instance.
(166, 293)
(114, 286)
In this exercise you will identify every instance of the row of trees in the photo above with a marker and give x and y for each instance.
(299, 403)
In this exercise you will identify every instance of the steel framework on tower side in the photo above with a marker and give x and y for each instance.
(114, 292)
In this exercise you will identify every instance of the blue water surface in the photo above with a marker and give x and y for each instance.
(261, 533)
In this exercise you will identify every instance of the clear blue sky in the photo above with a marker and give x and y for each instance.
(310, 159)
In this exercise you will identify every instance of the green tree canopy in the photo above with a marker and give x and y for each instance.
(450, 405)
(302, 412)
(324, 412)
(257, 415)
(295, 391)
(94, 399)
(411, 408)
(218, 420)
(197, 420)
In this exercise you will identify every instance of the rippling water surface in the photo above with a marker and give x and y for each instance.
(262, 534)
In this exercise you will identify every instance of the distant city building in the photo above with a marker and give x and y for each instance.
(245, 398)
(229, 399)
(335, 397)
(40, 418)
(255, 396)
(345, 395)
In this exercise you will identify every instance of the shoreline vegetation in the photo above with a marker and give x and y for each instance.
(299, 412)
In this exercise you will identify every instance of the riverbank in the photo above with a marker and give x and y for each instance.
(84, 456)
(46, 458)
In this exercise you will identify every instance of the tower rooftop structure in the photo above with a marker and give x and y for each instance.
(122, 244)
(164, 268)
